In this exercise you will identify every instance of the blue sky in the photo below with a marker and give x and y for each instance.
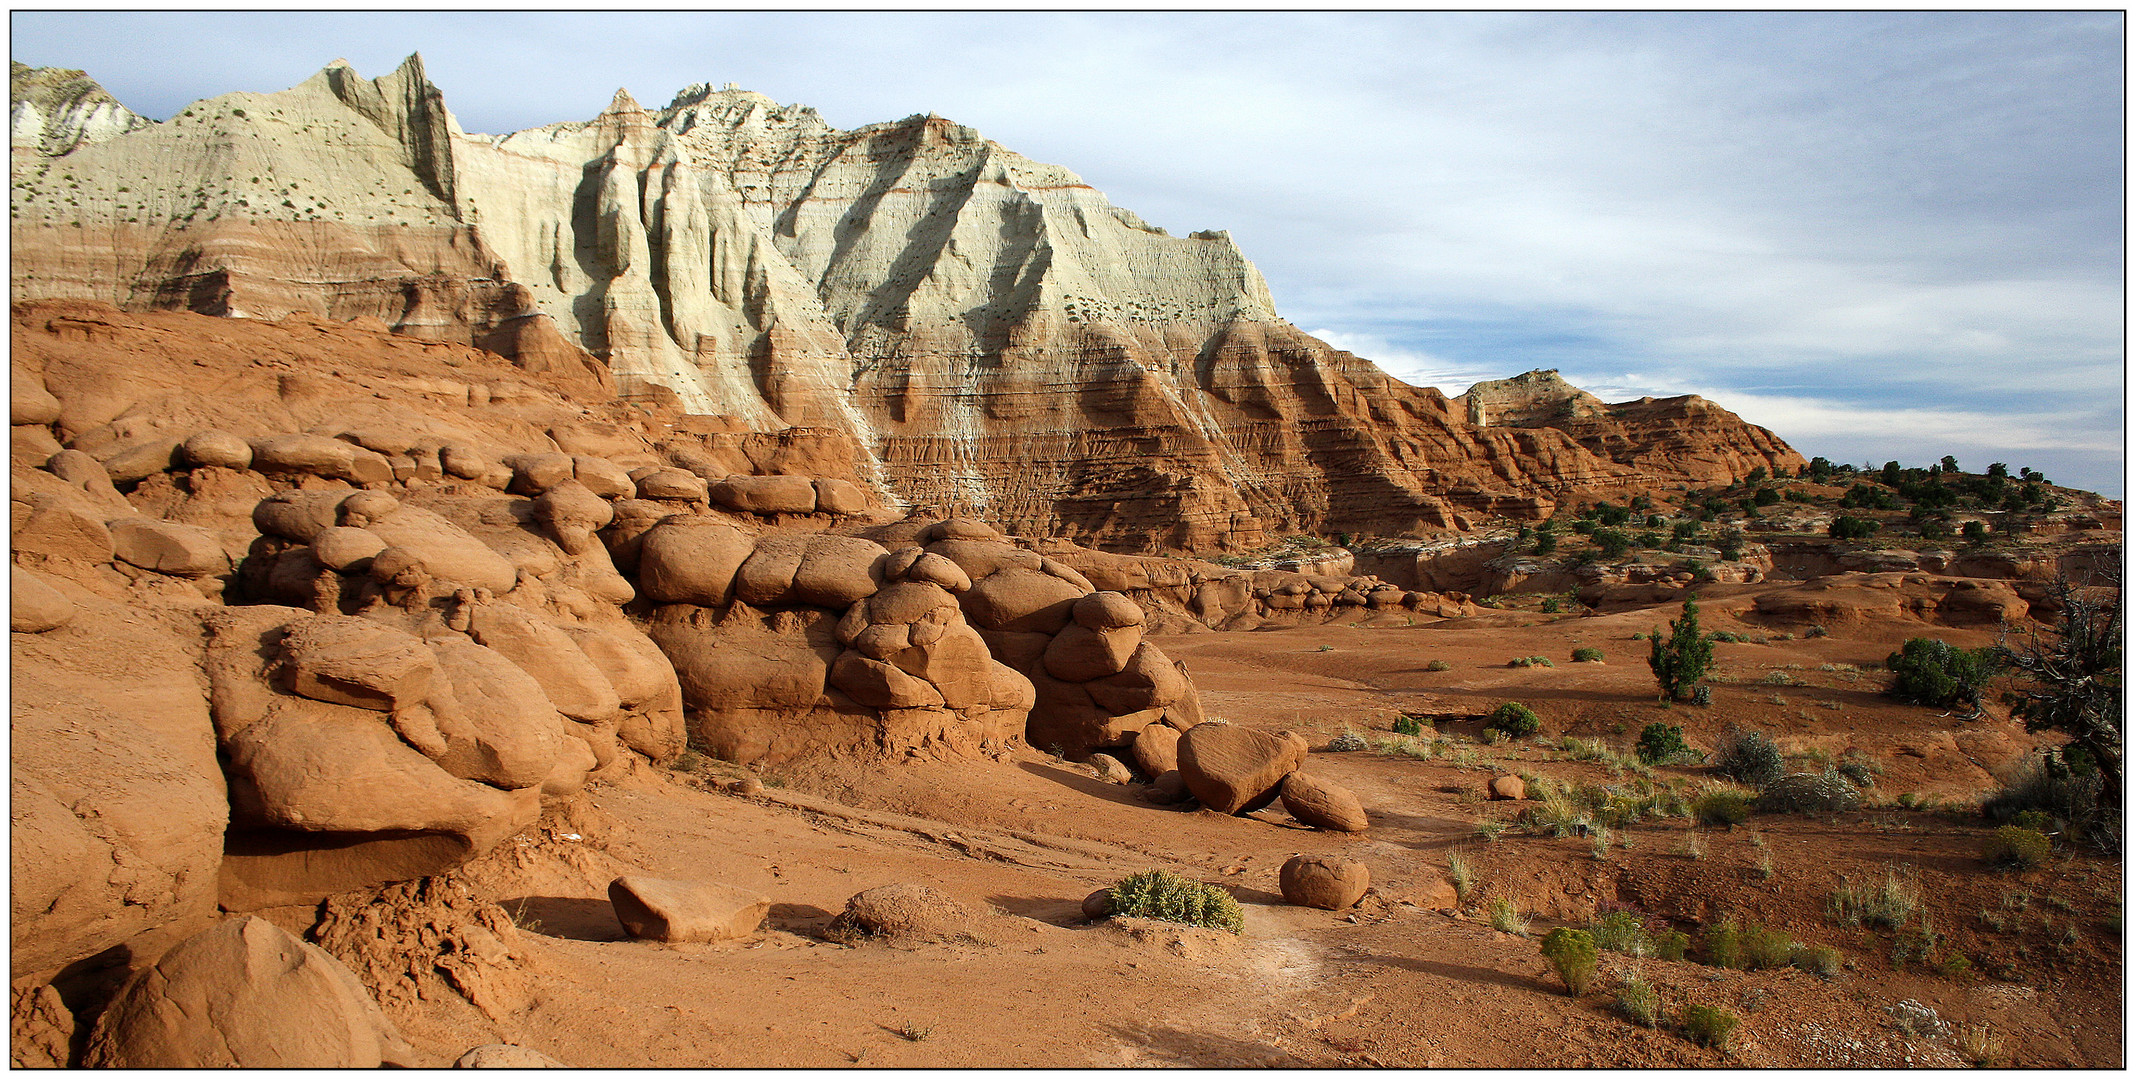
(1891, 235)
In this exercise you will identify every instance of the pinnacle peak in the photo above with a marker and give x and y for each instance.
(623, 102)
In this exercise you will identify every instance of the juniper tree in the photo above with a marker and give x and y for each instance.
(1681, 661)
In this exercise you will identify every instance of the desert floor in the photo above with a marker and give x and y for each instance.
(1412, 976)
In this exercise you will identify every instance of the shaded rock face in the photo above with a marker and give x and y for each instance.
(987, 329)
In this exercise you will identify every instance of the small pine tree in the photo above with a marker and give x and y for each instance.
(1681, 661)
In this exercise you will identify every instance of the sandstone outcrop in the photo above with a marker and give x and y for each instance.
(245, 994)
(727, 255)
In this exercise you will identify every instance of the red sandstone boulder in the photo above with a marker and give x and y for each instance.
(659, 909)
(245, 994)
(1234, 770)
(1323, 804)
(1320, 882)
(1508, 788)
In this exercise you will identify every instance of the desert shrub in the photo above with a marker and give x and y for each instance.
(1552, 605)
(1955, 966)
(1462, 873)
(1572, 953)
(1506, 918)
(1438, 665)
(2038, 821)
(1915, 944)
(1161, 894)
(1884, 905)
(1531, 661)
(1671, 944)
(1721, 806)
(1858, 769)
(1613, 542)
(1931, 672)
(1764, 950)
(2047, 785)
(1721, 945)
(1709, 1027)
(1849, 527)
(1809, 793)
(1620, 931)
(1702, 696)
(2016, 846)
(1814, 630)
(1748, 756)
(1681, 661)
(1661, 743)
(1408, 725)
(1822, 961)
(1515, 719)
(1347, 742)
(1587, 655)
(1638, 1003)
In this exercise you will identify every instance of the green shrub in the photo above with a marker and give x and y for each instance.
(1670, 944)
(1572, 953)
(1408, 725)
(1638, 1003)
(1515, 719)
(1814, 630)
(2016, 846)
(1882, 905)
(1613, 542)
(1622, 932)
(1722, 944)
(1506, 918)
(1347, 742)
(1462, 873)
(1587, 655)
(1936, 674)
(1709, 1027)
(1530, 661)
(1820, 960)
(1161, 894)
(1438, 665)
(1764, 950)
(1809, 793)
(1748, 756)
(1661, 743)
(2045, 784)
(1681, 661)
(1721, 807)
(1848, 527)
(2038, 821)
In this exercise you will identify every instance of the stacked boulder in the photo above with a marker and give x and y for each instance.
(358, 753)
(789, 645)
(1097, 683)
(1237, 770)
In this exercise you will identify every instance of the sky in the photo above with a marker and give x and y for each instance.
(1883, 235)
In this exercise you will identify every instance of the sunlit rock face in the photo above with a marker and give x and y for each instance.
(995, 336)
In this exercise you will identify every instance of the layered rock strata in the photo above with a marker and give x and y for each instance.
(994, 336)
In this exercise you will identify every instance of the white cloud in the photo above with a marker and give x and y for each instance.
(1410, 366)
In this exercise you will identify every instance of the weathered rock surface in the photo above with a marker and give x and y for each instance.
(1322, 882)
(659, 909)
(245, 994)
(900, 912)
(726, 284)
(1323, 804)
(506, 1056)
(1234, 770)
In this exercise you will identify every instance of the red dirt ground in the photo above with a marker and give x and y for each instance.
(1397, 981)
